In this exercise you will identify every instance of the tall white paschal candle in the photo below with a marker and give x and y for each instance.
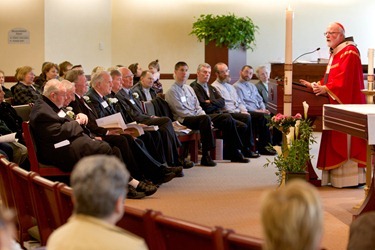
(370, 68)
(288, 66)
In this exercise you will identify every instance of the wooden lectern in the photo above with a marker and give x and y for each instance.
(356, 120)
(300, 93)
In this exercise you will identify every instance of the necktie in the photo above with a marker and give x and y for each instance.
(206, 89)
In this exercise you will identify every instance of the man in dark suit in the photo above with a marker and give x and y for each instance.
(144, 87)
(213, 103)
(60, 139)
(131, 109)
(145, 167)
(101, 86)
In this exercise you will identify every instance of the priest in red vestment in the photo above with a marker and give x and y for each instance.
(343, 81)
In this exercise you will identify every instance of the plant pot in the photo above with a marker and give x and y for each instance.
(296, 175)
(234, 58)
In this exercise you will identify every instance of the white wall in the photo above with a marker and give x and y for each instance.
(145, 30)
(74, 29)
(21, 14)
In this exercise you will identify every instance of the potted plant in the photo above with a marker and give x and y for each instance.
(226, 39)
(294, 155)
(226, 30)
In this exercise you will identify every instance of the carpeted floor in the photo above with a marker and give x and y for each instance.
(229, 195)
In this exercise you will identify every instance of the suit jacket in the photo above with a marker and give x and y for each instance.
(262, 91)
(9, 115)
(217, 102)
(60, 140)
(101, 105)
(81, 106)
(142, 96)
(131, 108)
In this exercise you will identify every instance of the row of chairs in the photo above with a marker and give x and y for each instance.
(166, 233)
(43, 205)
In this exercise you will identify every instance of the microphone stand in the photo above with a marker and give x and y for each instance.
(305, 54)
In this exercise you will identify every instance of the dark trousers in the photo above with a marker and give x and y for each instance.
(228, 126)
(245, 129)
(260, 127)
(168, 136)
(203, 124)
(138, 161)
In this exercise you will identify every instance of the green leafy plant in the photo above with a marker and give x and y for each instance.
(295, 150)
(227, 30)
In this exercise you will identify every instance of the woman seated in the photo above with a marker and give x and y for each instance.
(24, 91)
(49, 71)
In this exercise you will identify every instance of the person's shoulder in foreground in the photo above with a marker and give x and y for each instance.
(99, 186)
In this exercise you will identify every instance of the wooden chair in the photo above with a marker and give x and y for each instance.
(173, 233)
(65, 202)
(5, 183)
(46, 206)
(35, 166)
(20, 180)
(234, 241)
(133, 221)
(23, 111)
(191, 140)
(6, 192)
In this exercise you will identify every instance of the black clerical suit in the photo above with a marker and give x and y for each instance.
(152, 140)
(131, 149)
(59, 139)
(132, 111)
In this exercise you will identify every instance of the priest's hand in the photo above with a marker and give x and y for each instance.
(304, 82)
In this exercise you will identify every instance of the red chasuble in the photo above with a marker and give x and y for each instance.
(344, 81)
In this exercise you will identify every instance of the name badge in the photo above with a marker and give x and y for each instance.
(132, 101)
(104, 104)
(61, 114)
(183, 98)
(61, 144)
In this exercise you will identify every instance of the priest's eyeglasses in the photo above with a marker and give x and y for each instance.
(330, 33)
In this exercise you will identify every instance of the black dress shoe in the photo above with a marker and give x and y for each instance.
(134, 194)
(238, 157)
(207, 161)
(177, 171)
(250, 154)
(268, 151)
(146, 188)
(187, 164)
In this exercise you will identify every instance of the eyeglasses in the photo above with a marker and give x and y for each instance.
(330, 33)
(224, 71)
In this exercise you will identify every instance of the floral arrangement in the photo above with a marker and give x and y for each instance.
(135, 95)
(70, 112)
(87, 99)
(112, 100)
(297, 138)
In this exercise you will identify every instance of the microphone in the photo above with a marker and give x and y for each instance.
(305, 54)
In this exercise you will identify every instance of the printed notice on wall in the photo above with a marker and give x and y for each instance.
(18, 36)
